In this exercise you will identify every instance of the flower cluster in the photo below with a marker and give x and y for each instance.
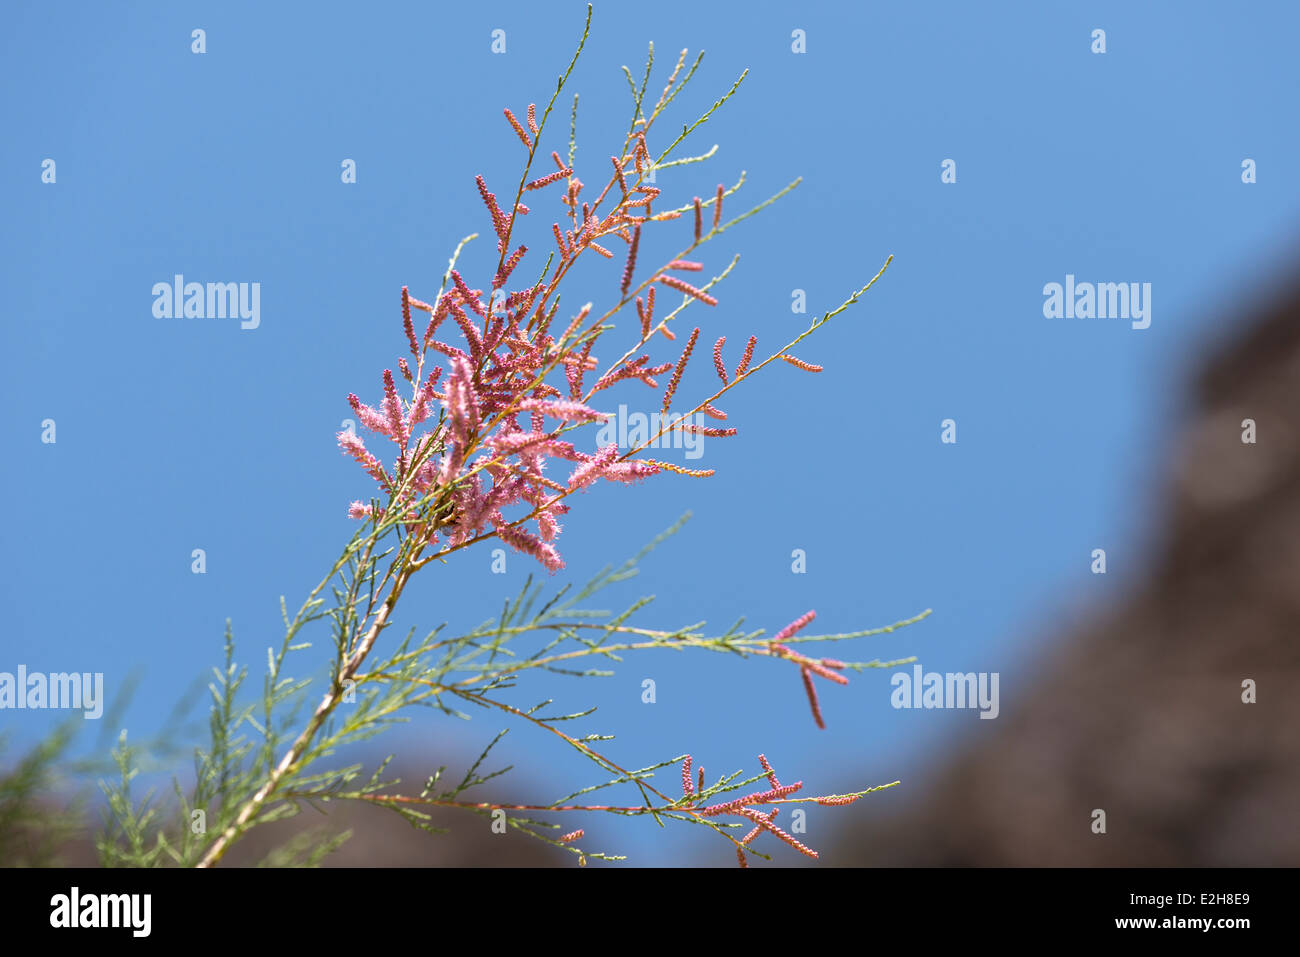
(491, 403)
(747, 807)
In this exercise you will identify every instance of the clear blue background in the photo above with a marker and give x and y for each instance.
(183, 434)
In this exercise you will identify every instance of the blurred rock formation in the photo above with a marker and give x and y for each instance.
(1140, 713)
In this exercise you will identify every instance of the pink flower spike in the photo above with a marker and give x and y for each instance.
(420, 410)
(647, 313)
(685, 265)
(519, 130)
(594, 467)
(571, 836)
(838, 800)
(754, 833)
(406, 322)
(393, 410)
(681, 367)
(693, 429)
(630, 266)
(550, 178)
(795, 626)
(508, 267)
(817, 669)
(812, 697)
(771, 775)
(645, 320)
(370, 418)
(631, 472)
(529, 544)
(563, 409)
(462, 401)
(351, 444)
(490, 200)
(468, 330)
(767, 825)
(419, 304)
(687, 788)
(749, 354)
(758, 797)
(800, 364)
(466, 294)
(512, 443)
(688, 289)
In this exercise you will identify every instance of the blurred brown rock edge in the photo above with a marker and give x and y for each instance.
(1140, 713)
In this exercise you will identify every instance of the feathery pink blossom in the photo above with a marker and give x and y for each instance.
(373, 420)
(512, 443)
(630, 472)
(351, 443)
(593, 467)
(393, 411)
(564, 410)
(523, 541)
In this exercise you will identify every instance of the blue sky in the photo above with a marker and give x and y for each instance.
(179, 434)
